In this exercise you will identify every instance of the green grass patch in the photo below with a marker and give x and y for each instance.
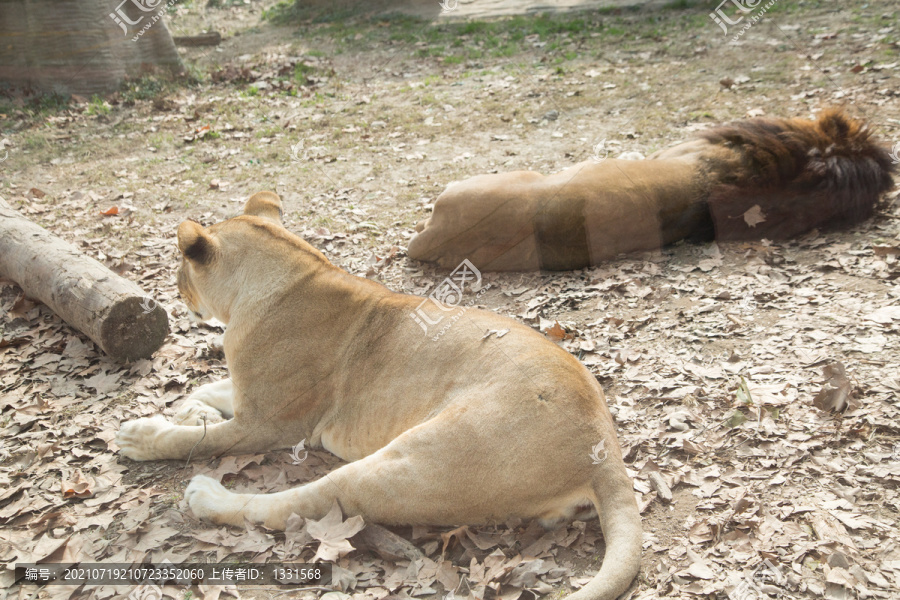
(98, 106)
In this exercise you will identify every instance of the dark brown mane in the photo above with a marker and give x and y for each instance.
(803, 174)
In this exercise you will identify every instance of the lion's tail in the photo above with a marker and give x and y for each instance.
(801, 174)
(621, 524)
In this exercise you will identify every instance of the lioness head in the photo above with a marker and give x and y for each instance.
(205, 263)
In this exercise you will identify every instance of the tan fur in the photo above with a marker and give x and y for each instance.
(459, 430)
(800, 174)
(583, 215)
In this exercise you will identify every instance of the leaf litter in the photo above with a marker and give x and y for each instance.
(755, 386)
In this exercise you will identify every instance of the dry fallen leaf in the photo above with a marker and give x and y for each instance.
(333, 532)
(754, 216)
(104, 383)
(21, 307)
(557, 333)
(77, 485)
(500, 333)
(885, 315)
(836, 394)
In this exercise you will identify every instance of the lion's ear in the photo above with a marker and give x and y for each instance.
(195, 243)
(266, 205)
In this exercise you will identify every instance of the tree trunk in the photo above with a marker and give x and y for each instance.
(82, 46)
(112, 311)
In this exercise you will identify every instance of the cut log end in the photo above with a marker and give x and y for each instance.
(134, 328)
(111, 310)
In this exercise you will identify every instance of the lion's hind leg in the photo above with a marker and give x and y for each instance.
(212, 403)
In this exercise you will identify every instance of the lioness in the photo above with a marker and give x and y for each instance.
(463, 430)
(754, 179)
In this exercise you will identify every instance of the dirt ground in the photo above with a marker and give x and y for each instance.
(713, 357)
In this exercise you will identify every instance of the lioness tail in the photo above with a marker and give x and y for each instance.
(621, 524)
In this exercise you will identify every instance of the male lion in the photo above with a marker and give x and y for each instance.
(462, 430)
(760, 178)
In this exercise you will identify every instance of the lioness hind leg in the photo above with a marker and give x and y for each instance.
(353, 486)
(422, 482)
(407, 481)
(212, 402)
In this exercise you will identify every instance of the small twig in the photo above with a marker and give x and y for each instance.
(295, 590)
(735, 320)
(191, 453)
(867, 361)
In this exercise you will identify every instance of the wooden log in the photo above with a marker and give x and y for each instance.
(114, 312)
(213, 38)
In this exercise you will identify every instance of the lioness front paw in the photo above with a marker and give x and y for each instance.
(209, 500)
(193, 412)
(219, 395)
(138, 439)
